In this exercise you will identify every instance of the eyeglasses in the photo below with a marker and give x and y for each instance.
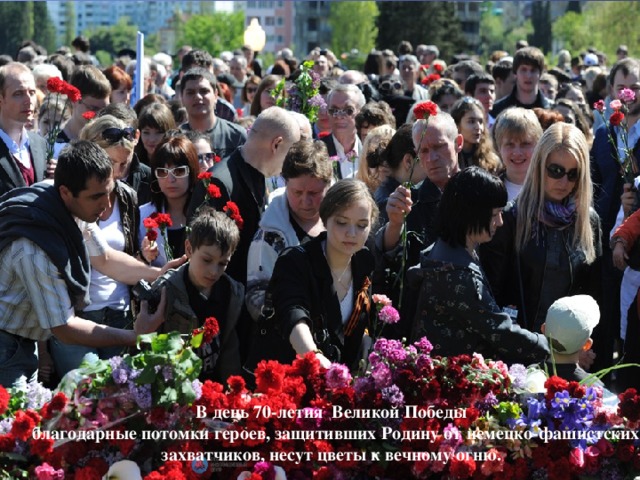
(387, 85)
(114, 135)
(341, 112)
(208, 157)
(176, 172)
(557, 172)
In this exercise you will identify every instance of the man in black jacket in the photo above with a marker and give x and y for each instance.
(23, 154)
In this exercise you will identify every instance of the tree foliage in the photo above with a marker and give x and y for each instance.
(353, 25)
(541, 21)
(114, 38)
(21, 21)
(44, 31)
(213, 32)
(420, 22)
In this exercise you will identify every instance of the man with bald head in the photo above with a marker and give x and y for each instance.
(23, 154)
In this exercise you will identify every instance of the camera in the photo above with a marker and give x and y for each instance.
(143, 291)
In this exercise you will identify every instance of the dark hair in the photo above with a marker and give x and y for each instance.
(176, 150)
(467, 68)
(118, 78)
(82, 43)
(267, 82)
(79, 161)
(405, 47)
(158, 116)
(474, 80)
(196, 58)
(626, 65)
(372, 63)
(442, 87)
(400, 144)
(90, 81)
(122, 111)
(194, 136)
(531, 56)
(64, 64)
(467, 205)
(196, 74)
(375, 114)
(308, 158)
(252, 80)
(502, 69)
(178, 111)
(211, 227)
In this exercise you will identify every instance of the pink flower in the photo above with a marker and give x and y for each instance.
(494, 462)
(599, 106)
(389, 315)
(626, 95)
(576, 457)
(380, 299)
(616, 104)
(47, 472)
(338, 376)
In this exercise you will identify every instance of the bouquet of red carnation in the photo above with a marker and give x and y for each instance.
(63, 92)
(160, 221)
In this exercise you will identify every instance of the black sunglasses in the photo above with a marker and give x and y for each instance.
(557, 172)
(206, 157)
(387, 85)
(114, 135)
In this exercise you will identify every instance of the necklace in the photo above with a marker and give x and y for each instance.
(339, 280)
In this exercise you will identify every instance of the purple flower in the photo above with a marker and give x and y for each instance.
(518, 374)
(381, 375)
(393, 395)
(197, 388)
(266, 470)
(363, 385)
(389, 315)
(424, 346)
(338, 376)
(141, 395)
(317, 101)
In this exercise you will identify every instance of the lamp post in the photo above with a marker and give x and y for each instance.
(254, 36)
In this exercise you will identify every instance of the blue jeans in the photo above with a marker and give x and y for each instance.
(18, 356)
(67, 357)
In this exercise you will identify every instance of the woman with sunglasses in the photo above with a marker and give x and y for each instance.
(153, 121)
(549, 245)
(110, 299)
(174, 166)
(477, 147)
(248, 93)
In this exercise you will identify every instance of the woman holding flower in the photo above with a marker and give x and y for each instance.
(321, 289)
(457, 311)
(550, 243)
(174, 166)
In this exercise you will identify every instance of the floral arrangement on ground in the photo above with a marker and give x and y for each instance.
(410, 415)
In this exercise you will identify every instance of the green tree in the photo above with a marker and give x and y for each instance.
(541, 21)
(420, 22)
(572, 31)
(347, 34)
(574, 6)
(214, 32)
(44, 31)
(20, 21)
(114, 38)
(492, 29)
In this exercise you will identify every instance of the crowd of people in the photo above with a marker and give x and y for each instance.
(501, 211)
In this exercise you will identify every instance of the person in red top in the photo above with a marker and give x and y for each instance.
(23, 155)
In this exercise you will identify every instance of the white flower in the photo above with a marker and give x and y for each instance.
(123, 470)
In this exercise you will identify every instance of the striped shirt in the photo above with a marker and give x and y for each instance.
(33, 296)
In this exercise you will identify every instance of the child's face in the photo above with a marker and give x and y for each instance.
(207, 263)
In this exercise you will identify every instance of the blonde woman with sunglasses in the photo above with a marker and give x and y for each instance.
(174, 168)
(550, 243)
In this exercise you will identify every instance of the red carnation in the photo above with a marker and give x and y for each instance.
(41, 446)
(625, 451)
(55, 84)
(599, 106)
(72, 92)
(7, 443)
(87, 473)
(150, 222)
(4, 400)
(164, 220)
(423, 110)
(616, 118)
(269, 376)
(216, 159)
(236, 384)
(23, 425)
(58, 402)
(462, 468)
(232, 210)
(438, 67)
(89, 115)
(213, 191)
(553, 385)
(211, 329)
(323, 134)
(152, 235)
(205, 176)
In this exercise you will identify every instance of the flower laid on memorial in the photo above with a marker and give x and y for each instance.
(618, 119)
(411, 415)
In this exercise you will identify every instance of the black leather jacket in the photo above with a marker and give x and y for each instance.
(545, 270)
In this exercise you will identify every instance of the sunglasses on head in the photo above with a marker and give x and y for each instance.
(338, 112)
(114, 135)
(206, 157)
(176, 172)
(557, 172)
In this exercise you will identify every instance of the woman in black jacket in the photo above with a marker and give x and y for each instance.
(322, 290)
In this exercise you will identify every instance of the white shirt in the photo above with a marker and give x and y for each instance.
(20, 151)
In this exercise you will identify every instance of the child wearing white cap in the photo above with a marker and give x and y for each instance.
(568, 327)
